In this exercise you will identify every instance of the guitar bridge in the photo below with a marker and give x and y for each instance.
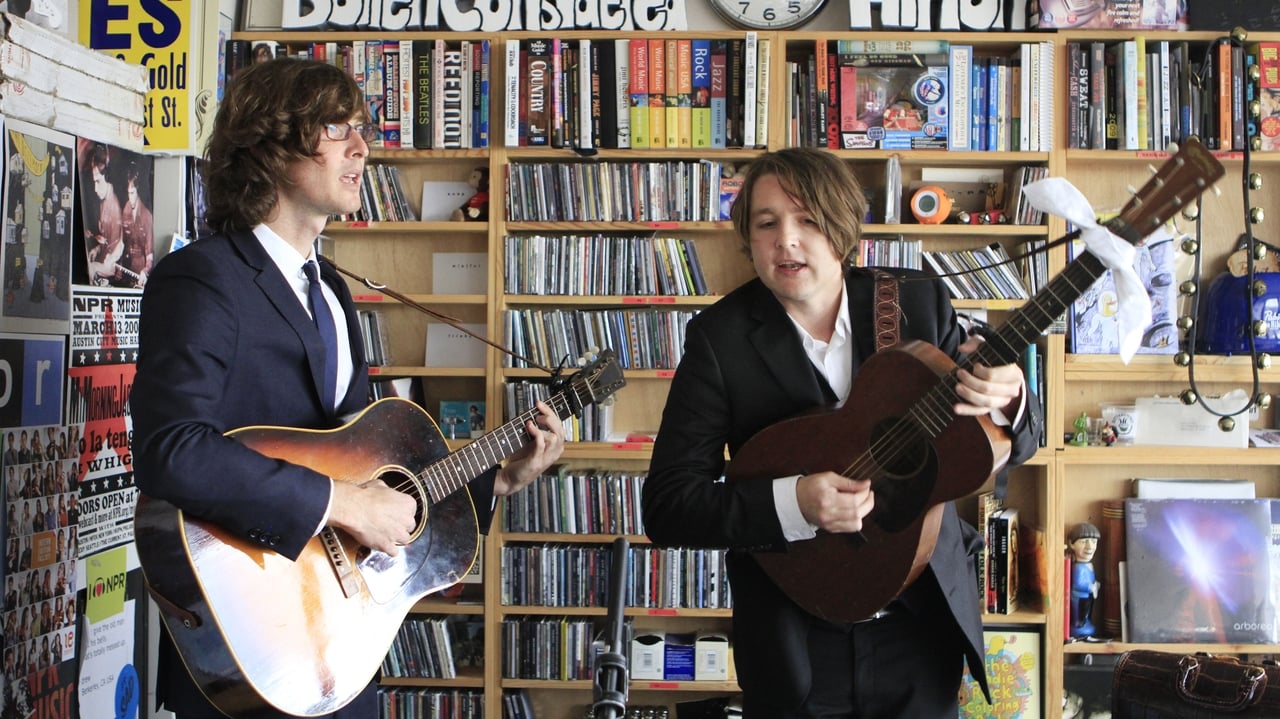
(338, 559)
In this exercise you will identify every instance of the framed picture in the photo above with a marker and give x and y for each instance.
(260, 14)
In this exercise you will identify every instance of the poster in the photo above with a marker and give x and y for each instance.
(117, 193)
(32, 371)
(38, 192)
(167, 39)
(104, 343)
(40, 539)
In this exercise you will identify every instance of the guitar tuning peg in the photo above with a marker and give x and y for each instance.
(1153, 169)
(1131, 189)
(1172, 148)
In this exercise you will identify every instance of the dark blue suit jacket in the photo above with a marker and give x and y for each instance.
(744, 369)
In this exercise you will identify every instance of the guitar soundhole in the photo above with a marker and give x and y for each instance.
(410, 484)
(907, 467)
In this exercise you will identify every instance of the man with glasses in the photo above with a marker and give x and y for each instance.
(228, 340)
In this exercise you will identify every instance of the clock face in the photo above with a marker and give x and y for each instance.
(768, 14)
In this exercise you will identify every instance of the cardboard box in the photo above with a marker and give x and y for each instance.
(711, 657)
(678, 658)
(648, 652)
(1122, 14)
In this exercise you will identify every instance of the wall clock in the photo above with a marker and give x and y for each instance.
(768, 14)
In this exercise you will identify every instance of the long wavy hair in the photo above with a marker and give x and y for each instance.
(271, 116)
(823, 183)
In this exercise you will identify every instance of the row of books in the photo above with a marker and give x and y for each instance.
(663, 191)
(593, 423)
(642, 339)
(548, 575)
(425, 94)
(435, 647)
(602, 265)
(641, 93)
(1013, 563)
(577, 502)
(425, 703)
(551, 648)
(983, 273)
(382, 197)
(374, 330)
(1140, 95)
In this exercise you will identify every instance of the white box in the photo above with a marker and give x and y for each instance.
(1167, 421)
(648, 652)
(711, 657)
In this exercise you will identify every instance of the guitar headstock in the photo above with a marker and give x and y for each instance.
(599, 379)
(1178, 182)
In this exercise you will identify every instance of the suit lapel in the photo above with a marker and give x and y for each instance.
(774, 338)
(281, 296)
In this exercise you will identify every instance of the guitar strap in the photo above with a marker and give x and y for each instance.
(887, 310)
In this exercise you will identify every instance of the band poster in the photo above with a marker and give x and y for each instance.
(104, 343)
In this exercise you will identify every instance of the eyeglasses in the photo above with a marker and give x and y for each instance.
(339, 131)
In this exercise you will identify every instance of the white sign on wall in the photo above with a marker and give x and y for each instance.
(494, 16)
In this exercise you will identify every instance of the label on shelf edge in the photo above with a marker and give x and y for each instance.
(367, 298)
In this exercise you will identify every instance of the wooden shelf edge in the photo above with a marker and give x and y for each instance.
(1168, 456)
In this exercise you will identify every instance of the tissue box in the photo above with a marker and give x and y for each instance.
(1167, 421)
(648, 652)
(711, 657)
(678, 658)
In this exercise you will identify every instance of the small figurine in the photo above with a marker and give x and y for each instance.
(1107, 434)
(1081, 436)
(476, 208)
(1083, 540)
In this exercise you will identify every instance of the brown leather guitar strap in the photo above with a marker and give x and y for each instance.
(887, 310)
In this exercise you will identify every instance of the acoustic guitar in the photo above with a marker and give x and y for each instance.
(902, 433)
(260, 633)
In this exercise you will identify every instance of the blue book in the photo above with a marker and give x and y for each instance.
(978, 141)
(701, 100)
(993, 104)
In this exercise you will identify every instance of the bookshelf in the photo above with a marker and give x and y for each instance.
(1058, 487)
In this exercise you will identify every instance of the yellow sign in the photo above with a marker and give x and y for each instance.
(160, 35)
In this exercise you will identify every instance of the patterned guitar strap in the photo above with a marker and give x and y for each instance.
(887, 310)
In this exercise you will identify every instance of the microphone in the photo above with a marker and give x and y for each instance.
(610, 663)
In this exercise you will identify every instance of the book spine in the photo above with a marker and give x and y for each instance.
(424, 93)
(684, 93)
(833, 102)
(1114, 97)
(1268, 54)
(961, 71)
(701, 95)
(719, 96)
(1237, 97)
(486, 80)
(588, 95)
(1130, 72)
(405, 53)
(750, 76)
(764, 68)
(658, 93)
(538, 86)
(639, 77)
(452, 91)
(734, 89)
(391, 93)
(621, 67)
(374, 93)
(671, 66)
(511, 129)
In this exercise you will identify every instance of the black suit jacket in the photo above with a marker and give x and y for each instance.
(225, 343)
(744, 368)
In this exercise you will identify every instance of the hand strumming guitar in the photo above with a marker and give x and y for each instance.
(376, 515)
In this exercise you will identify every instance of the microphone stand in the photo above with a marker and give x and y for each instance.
(610, 671)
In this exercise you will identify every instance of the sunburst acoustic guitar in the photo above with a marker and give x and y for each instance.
(261, 634)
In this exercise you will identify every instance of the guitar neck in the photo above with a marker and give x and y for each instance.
(1027, 323)
(453, 472)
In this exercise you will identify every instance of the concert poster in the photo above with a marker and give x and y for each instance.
(37, 210)
(40, 603)
(103, 352)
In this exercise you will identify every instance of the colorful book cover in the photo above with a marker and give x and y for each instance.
(1014, 666)
(1199, 570)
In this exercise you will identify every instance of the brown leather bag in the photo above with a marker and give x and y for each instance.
(1162, 685)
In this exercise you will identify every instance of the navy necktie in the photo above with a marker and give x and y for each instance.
(328, 332)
